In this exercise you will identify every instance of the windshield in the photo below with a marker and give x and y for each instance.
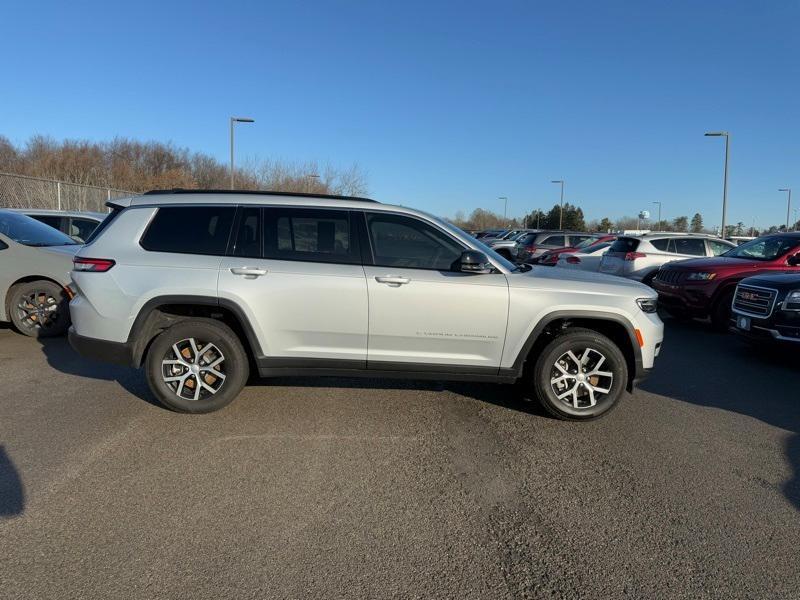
(587, 242)
(764, 248)
(30, 232)
(507, 264)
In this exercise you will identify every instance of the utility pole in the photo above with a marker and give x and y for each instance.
(788, 205)
(235, 120)
(727, 137)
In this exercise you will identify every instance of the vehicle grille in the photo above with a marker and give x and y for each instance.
(670, 276)
(754, 301)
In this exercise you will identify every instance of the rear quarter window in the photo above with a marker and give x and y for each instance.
(189, 230)
(661, 245)
(624, 245)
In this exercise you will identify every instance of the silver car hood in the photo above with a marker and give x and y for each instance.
(570, 279)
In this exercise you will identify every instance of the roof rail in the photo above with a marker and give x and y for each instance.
(259, 192)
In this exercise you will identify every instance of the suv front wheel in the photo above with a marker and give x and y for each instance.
(580, 375)
(196, 366)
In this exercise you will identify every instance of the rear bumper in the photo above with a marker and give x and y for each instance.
(118, 353)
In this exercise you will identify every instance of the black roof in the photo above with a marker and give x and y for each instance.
(259, 192)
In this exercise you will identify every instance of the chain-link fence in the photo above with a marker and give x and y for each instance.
(21, 191)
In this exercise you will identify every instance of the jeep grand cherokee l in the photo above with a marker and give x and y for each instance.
(198, 287)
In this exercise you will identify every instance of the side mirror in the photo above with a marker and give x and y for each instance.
(473, 261)
(793, 260)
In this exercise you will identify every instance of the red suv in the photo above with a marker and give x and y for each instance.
(704, 287)
(550, 258)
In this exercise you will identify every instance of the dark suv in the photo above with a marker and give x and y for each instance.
(767, 308)
(704, 287)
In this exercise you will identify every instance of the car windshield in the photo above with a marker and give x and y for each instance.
(30, 232)
(507, 264)
(764, 248)
(586, 243)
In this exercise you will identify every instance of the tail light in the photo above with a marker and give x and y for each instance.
(634, 255)
(573, 260)
(94, 265)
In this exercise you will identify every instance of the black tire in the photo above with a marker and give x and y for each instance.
(178, 395)
(39, 308)
(721, 312)
(577, 340)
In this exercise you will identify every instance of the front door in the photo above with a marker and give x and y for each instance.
(423, 312)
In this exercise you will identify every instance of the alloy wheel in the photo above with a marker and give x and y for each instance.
(578, 379)
(38, 310)
(193, 369)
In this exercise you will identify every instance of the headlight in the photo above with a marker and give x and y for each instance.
(792, 301)
(701, 276)
(648, 305)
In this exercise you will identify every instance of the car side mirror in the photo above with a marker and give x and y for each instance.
(793, 260)
(473, 261)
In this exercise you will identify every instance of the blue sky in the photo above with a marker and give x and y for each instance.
(445, 105)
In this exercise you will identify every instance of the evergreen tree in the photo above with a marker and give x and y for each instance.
(697, 223)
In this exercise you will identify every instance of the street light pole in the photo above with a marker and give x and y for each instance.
(235, 120)
(788, 205)
(659, 212)
(727, 137)
(505, 207)
(561, 213)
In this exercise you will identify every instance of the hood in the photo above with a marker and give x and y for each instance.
(777, 280)
(576, 280)
(718, 262)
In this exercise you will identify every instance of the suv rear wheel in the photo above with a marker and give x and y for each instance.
(196, 366)
(39, 308)
(580, 375)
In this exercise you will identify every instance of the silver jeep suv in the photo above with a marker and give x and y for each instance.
(201, 287)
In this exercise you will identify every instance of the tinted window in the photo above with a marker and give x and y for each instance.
(399, 241)
(718, 247)
(190, 230)
(690, 246)
(30, 232)
(576, 240)
(51, 220)
(662, 244)
(312, 235)
(624, 245)
(81, 228)
(248, 237)
(553, 240)
(526, 239)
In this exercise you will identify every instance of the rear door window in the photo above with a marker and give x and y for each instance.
(190, 230)
(690, 246)
(51, 220)
(81, 228)
(553, 240)
(310, 235)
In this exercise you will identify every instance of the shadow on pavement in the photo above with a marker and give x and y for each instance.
(12, 492)
(722, 371)
(63, 358)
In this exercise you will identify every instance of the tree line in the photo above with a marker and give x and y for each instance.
(137, 166)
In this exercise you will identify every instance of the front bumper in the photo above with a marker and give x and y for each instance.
(118, 353)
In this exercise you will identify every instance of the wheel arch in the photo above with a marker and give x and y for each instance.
(162, 312)
(616, 327)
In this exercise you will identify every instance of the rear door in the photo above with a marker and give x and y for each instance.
(297, 274)
(686, 247)
(423, 313)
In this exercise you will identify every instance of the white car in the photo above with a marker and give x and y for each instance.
(198, 287)
(639, 257)
(584, 261)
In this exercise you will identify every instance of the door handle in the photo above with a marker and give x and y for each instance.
(249, 272)
(393, 280)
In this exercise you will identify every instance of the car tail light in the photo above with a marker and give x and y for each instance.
(95, 265)
(634, 255)
(573, 260)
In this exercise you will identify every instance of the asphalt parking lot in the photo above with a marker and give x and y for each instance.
(374, 489)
